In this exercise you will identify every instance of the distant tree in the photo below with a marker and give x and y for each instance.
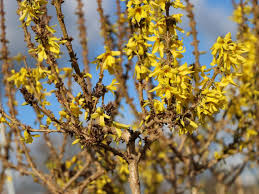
(180, 111)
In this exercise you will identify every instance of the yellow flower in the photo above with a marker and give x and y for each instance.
(141, 71)
(75, 141)
(52, 45)
(41, 53)
(112, 87)
(237, 14)
(158, 45)
(186, 125)
(3, 120)
(30, 9)
(63, 114)
(137, 45)
(18, 78)
(172, 81)
(218, 155)
(28, 137)
(137, 12)
(159, 106)
(251, 132)
(226, 81)
(227, 54)
(120, 125)
(99, 114)
(108, 61)
(178, 4)
(212, 101)
(19, 58)
(75, 110)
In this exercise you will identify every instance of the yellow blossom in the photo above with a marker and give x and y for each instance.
(227, 54)
(28, 137)
(75, 141)
(159, 106)
(138, 11)
(112, 87)
(108, 61)
(99, 114)
(30, 9)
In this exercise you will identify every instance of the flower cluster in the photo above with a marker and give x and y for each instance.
(52, 45)
(30, 10)
(227, 54)
(31, 79)
(173, 83)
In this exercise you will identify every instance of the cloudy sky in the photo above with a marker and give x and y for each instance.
(212, 21)
(212, 17)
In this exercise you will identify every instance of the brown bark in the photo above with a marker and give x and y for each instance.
(134, 177)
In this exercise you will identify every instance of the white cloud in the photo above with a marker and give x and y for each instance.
(15, 33)
(91, 17)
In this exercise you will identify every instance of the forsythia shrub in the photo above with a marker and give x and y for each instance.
(180, 111)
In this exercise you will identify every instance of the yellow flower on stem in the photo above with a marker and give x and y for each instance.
(28, 137)
(178, 4)
(99, 114)
(138, 45)
(107, 60)
(120, 125)
(158, 45)
(30, 9)
(227, 54)
(75, 110)
(141, 72)
(40, 52)
(239, 12)
(75, 141)
(212, 100)
(137, 12)
(112, 87)
(159, 106)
